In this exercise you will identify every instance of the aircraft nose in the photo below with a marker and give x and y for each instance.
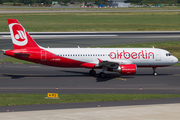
(175, 60)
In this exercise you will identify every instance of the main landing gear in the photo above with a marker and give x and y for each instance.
(93, 73)
(102, 75)
(154, 71)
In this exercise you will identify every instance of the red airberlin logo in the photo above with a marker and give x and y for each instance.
(19, 33)
(134, 55)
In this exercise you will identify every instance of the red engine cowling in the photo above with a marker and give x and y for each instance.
(129, 69)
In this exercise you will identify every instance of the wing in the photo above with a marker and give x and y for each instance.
(112, 63)
(106, 63)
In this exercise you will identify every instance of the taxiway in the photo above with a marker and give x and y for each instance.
(20, 78)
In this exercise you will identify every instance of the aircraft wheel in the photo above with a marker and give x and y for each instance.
(155, 74)
(92, 72)
(102, 75)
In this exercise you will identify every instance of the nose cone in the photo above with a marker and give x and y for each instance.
(175, 60)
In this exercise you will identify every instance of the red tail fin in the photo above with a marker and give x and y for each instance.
(20, 38)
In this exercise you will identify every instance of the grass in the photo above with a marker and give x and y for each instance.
(14, 60)
(78, 8)
(108, 21)
(95, 21)
(100, 21)
(177, 64)
(30, 99)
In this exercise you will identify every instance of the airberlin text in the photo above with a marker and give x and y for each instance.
(134, 55)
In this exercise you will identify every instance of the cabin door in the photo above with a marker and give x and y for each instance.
(158, 55)
(43, 55)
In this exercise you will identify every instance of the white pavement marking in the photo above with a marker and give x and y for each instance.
(67, 36)
(121, 36)
(137, 112)
(107, 32)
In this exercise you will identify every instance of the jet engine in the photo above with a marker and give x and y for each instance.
(127, 69)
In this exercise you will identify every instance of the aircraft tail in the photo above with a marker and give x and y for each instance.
(20, 38)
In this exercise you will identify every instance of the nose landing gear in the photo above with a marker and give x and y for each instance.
(154, 71)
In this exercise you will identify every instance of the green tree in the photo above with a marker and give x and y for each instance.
(85, 3)
(47, 1)
(28, 2)
(98, 2)
(1, 2)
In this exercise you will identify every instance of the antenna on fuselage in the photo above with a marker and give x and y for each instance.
(78, 46)
(153, 46)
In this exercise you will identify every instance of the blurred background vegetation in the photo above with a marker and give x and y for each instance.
(96, 2)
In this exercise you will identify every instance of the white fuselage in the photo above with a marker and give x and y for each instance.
(138, 56)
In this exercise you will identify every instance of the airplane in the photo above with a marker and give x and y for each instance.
(122, 60)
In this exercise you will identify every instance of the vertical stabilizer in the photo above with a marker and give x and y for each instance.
(20, 38)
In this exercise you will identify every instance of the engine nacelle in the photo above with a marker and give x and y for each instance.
(128, 69)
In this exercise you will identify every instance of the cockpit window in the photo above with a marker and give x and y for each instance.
(168, 54)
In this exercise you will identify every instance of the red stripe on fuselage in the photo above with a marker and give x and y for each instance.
(34, 55)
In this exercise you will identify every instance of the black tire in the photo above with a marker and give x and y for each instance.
(155, 74)
(102, 75)
(92, 72)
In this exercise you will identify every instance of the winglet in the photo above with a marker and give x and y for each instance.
(100, 60)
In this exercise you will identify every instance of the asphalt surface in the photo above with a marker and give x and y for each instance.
(87, 105)
(90, 39)
(40, 79)
(19, 78)
(62, 39)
